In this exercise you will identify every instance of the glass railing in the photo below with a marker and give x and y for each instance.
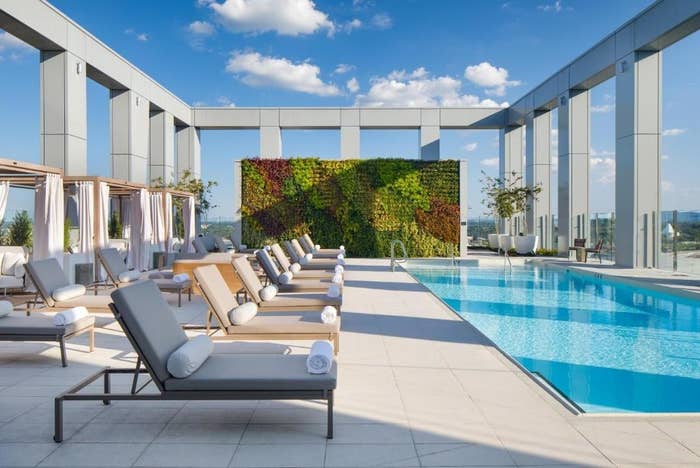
(680, 241)
(602, 228)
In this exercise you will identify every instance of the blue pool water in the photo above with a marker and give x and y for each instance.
(606, 345)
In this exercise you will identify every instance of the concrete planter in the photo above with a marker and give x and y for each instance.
(525, 244)
(505, 242)
(493, 241)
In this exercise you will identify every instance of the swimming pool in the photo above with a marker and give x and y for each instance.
(606, 345)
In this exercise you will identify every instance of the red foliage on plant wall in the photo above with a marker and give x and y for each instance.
(442, 221)
(275, 171)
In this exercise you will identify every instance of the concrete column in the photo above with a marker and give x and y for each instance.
(270, 134)
(188, 151)
(63, 111)
(574, 148)
(129, 124)
(637, 158)
(510, 166)
(162, 147)
(430, 134)
(463, 207)
(350, 142)
(237, 202)
(537, 171)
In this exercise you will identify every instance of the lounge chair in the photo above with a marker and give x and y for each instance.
(17, 327)
(283, 302)
(150, 325)
(296, 253)
(48, 276)
(120, 275)
(241, 248)
(597, 250)
(308, 245)
(296, 285)
(285, 264)
(267, 326)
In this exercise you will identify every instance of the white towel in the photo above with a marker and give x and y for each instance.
(337, 278)
(286, 277)
(5, 308)
(295, 268)
(340, 256)
(329, 314)
(306, 259)
(317, 247)
(341, 261)
(333, 291)
(320, 360)
(267, 247)
(181, 277)
(339, 269)
(68, 316)
(342, 247)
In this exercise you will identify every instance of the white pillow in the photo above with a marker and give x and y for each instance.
(295, 268)
(68, 292)
(333, 291)
(286, 277)
(5, 308)
(268, 292)
(306, 259)
(129, 276)
(340, 256)
(10, 262)
(243, 313)
(341, 261)
(186, 359)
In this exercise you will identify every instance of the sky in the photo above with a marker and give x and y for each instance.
(357, 52)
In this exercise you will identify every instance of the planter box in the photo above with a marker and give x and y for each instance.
(525, 244)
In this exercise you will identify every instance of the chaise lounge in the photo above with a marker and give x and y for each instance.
(155, 335)
(296, 284)
(286, 265)
(309, 247)
(297, 254)
(268, 326)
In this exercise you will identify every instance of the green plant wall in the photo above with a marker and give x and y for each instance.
(362, 204)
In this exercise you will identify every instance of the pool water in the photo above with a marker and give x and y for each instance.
(606, 345)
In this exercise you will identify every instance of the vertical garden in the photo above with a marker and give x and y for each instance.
(362, 204)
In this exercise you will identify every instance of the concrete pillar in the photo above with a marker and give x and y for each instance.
(574, 148)
(270, 134)
(188, 151)
(537, 172)
(63, 111)
(463, 207)
(129, 124)
(162, 147)
(510, 166)
(637, 158)
(430, 134)
(237, 202)
(350, 142)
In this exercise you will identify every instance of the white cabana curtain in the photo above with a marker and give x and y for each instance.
(141, 232)
(168, 221)
(86, 212)
(157, 220)
(48, 219)
(102, 221)
(125, 215)
(188, 221)
(4, 192)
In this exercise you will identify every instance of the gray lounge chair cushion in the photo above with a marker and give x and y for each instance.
(151, 324)
(113, 263)
(254, 372)
(268, 265)
(247, 275)
(286, 323)
(297, 248)
(216, 292)
(280, 256)
(203, 244)
(16, 324)
(220, 244)
(293, 254)
(307, 243)
(47, 276)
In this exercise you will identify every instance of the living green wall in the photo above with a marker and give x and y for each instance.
(362, 204)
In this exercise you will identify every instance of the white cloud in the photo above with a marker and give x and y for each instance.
(602, 108)
(667, 186)
(382, 21)
(201, 28)
(343, 68)
(260, 70)
(489, 162)
(469, 147)
(15, 47)
(285, 17)
(225, 101)
(673, 131)
(555, 7)
(601, 154)
(665, 157)
(418, 88)
(350, 26)
(603, 163)
(140, 36)
(352, 85)
(495, 79)
(143, 37)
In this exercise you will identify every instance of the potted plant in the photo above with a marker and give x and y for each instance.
(497, 198)
(522, 198)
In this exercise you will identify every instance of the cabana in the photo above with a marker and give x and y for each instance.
(92, 195)
(162, 201)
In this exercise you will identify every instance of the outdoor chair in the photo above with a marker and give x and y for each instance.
(152, 329)
(296, 253)
(597, 250)
(309, 246)
(283, 302)
(296, 284)
(268, 326)
(240, 248)
(285, 264)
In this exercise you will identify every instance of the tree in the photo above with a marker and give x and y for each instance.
(115, 226)
(20, 230)
(507, 197)
(188, 183)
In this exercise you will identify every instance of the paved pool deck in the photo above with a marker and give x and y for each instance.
(418, 386)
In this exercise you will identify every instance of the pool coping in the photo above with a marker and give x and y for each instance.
(548, 388)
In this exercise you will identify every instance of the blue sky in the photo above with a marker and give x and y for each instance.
(343, 53)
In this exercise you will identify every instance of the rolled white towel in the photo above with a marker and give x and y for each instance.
(267, 247)
(306, 259)
(341, 256)
(329, 314)
(333, 291)
(295, 268)
(268, 292)
(181, 277)
(337, 278)
(68, 316)
(342, 247)
(320, 360)
(341, 261)
(5, 308)
(286, 277)
(339, 269)
(317, 247)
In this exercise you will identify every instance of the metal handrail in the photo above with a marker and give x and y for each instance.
(395, 261)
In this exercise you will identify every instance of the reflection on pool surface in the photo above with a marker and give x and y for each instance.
(606, 345)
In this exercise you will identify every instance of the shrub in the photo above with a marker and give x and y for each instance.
(115, 226)
(20, 230)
